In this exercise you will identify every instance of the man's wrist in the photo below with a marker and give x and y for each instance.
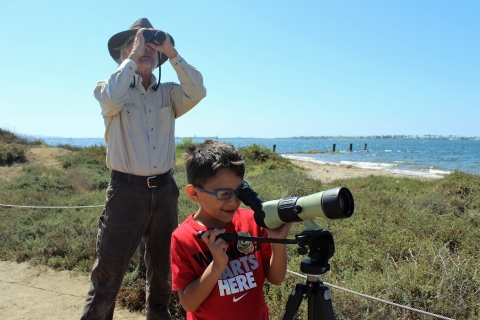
(132, 57)
(172, 54)
(128, 64)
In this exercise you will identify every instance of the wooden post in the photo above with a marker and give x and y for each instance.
(350, 147)
(333, 148)
(274, 147)
(365, 147)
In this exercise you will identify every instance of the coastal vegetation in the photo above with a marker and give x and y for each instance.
(12, 147)
(412, 242)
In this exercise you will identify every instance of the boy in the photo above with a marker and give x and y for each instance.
(213, 278)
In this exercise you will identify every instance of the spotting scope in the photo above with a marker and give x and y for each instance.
(336, 203)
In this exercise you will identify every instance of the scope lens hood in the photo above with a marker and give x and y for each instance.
(337, 203)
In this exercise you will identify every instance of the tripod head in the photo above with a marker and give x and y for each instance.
(320, 248)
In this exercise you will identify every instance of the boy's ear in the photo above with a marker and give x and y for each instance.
(192, 193)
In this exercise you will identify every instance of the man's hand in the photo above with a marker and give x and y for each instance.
(166, 47)
(138, 48)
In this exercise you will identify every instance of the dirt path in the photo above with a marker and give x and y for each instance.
(37, 292)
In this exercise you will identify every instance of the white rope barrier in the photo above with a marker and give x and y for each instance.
(49, 207)
(377, 299)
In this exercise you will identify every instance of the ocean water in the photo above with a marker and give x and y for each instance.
(422, 157)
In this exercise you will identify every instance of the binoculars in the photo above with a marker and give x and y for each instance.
(154, 36)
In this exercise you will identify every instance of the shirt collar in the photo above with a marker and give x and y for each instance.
(137, 79)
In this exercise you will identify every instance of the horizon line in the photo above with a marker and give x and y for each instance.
(383, 136)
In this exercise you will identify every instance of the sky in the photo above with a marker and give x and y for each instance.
(272, 69)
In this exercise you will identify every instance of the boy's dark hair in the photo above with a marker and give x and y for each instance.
(206, 159)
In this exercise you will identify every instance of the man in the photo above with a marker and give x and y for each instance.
(141, 199)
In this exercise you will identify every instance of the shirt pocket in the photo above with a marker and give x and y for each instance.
(132, 121)
(165, 120)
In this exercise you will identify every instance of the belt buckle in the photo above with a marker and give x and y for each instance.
(148, 181)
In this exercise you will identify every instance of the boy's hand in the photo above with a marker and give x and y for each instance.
(280, 232)
(278, 261)
(218, 247)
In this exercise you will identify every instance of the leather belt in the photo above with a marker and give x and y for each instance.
(151, 182)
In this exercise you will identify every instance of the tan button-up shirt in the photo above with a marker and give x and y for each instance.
(139, 124)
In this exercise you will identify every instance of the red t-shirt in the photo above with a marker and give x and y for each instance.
(238, 293)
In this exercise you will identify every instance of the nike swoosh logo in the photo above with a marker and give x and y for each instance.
(236, 299)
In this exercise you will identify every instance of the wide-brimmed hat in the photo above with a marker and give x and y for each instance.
(118, 39)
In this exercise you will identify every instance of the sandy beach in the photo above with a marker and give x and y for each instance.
(329, 172)
(37, 292)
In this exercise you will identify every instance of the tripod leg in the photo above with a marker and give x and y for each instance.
(294, 301)
(320, 304)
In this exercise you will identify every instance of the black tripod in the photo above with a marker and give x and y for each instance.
(320, 249)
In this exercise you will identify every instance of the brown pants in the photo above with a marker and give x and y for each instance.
(133, 212)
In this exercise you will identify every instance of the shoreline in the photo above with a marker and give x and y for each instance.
(329, 172)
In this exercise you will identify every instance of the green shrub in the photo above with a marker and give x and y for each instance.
(257, 153)
(87, 167)
(184, 144)
(11, 153)
(93, 157)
